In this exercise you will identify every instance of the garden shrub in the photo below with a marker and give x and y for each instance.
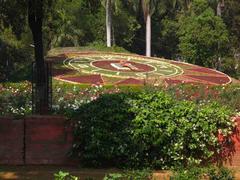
(144, 174)
(172, 132)
(102, 133)
(194, 173)
(221, 173)
(61, 175)
(198, 173)
(149, 129)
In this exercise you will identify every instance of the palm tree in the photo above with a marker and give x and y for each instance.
(109, 21)
(149, 7)
(108, 6)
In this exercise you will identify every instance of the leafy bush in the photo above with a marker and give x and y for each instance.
(64, 176)
(103, 130)
(221, 173)
(195, 173)
(130, 175)
(148, 129)
(173, 132)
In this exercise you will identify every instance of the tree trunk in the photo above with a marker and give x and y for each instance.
(108, 22)
(219, 10)
(148, 35)
(113, 36)
(35, 17)
(220, 5)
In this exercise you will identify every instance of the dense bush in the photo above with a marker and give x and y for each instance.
(177, 132)
(197, 173)
(148, 129)
(103, 130)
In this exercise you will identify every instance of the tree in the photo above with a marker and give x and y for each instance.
(109, 21)
(60, 28)
(202, 35)
(148, 9)
(8, 11)
(108, 6)
(231, 16)
(184, 4)
(35, 20)
(15, 53)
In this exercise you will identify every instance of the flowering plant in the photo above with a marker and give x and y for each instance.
(15, 99)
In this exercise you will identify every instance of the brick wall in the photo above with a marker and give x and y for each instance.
(35, 140)
(40, 140)
(11, 141)
(235, 160)
(48, 140)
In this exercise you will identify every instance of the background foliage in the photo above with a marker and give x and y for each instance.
(179, 31)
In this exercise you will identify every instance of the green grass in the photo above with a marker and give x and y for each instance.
(91, 47)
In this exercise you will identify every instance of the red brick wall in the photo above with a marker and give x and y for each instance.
(235, 160)
(48, 140)
(11, 141)
(44, 140)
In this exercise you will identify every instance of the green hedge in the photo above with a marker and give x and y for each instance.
(148, 129)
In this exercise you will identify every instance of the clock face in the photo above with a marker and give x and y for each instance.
(117, 68)
(121, 66)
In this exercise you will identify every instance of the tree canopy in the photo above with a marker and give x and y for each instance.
(203, 35)
(189, 30)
